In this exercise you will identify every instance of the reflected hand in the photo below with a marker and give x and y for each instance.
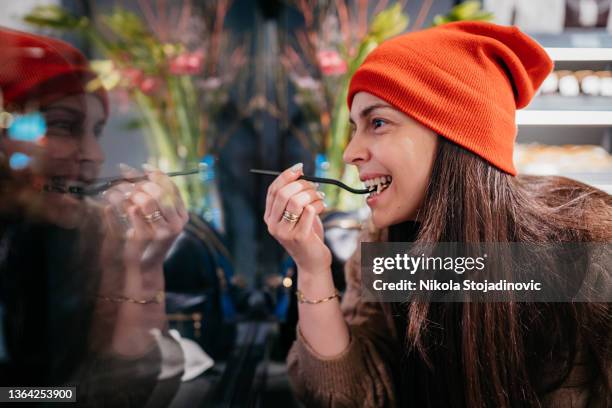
(144, 219)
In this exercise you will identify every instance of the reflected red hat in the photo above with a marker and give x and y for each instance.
(41, 69)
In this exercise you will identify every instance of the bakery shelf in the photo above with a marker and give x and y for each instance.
(574, 103)
(579, 54)
(531, 117)
(577, 45)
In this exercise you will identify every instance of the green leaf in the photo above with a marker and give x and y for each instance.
(102, 67)
(107, 76)
(466, 11)
(56, 17)
(389, 22)
(127, 25)
(366, 46)
(133, 124)
(439, 20)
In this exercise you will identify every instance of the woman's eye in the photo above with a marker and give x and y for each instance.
(377, 123)
(63, 125)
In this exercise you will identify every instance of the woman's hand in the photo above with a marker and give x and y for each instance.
(323, 324)
(303, 239)
(144, 219)
(142, 222)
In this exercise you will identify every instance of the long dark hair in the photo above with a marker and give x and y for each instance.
(508, 354)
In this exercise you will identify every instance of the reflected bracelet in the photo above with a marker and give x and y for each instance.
(157, 299)
(302, 299)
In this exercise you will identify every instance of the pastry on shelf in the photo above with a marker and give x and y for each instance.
(537, 158)
(568, 83)
(574, 83)
(591, 85)
(550, 84)
(605, 85)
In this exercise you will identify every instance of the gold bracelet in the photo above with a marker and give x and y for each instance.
(303, 299)
(158, 298)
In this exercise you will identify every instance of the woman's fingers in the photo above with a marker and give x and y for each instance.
(118, 202)
(168, 197)
(318, 228)
(116, 224)
(128, 172)
(304, 226)
(141, 231)
(285, 230)
(297, 202)
(162, 201)
(159, 200)
(152, 208)
(318, 205)
(285, 194)
(291, 174)
(162, 221)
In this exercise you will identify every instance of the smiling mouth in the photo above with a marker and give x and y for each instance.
(64, 185)
(377, 185)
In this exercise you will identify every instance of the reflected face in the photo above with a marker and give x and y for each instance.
(73, 154)
(74, 125)
(393, 152)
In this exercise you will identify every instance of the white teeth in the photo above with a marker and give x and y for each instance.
(377, 184)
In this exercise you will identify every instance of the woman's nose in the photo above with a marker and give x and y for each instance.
(91, 149)
(356, 151)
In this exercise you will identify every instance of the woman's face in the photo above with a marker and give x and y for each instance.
(74, 125)
(73, 154)
(393, 151)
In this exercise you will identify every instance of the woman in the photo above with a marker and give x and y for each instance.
(432, 116)
(81, 279)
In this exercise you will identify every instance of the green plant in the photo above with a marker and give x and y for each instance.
(171, 67)
(468, 10)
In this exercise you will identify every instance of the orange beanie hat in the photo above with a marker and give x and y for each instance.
(463, 80)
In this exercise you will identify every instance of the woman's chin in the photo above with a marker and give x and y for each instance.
(63, 210)
(380, 220)
(384, 219)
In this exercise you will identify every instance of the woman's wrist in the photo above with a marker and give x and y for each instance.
(144, 280)
(315, 284)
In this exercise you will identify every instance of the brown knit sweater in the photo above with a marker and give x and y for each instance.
(367, 373)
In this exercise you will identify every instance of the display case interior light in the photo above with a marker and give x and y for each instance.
(563, 118)
(579, 54)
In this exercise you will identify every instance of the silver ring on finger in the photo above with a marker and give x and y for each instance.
(153, 217)
(290, 217)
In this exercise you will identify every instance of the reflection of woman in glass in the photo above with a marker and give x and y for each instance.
(433, 115)
(82, 284)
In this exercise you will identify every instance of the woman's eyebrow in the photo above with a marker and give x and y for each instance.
(369, 109)
(68, 109)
